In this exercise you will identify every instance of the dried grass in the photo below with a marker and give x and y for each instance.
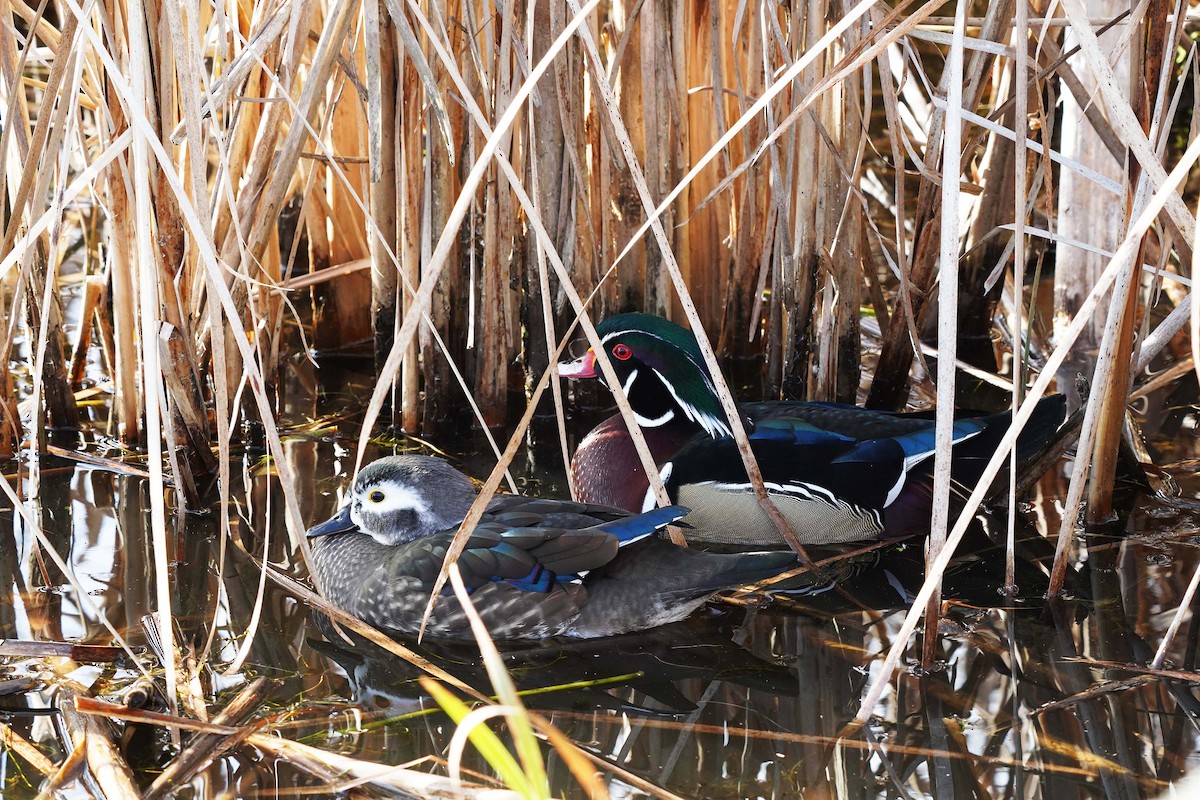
(497, 172)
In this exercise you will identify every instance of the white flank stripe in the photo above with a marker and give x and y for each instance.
(651, 500)
(912, 461)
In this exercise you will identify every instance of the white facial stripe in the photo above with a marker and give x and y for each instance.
(712, 426)
(628, 384)
(614, 334)
(654, 423)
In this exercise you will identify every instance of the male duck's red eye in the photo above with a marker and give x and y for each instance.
(622, 352)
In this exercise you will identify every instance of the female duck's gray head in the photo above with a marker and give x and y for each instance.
(401, 498)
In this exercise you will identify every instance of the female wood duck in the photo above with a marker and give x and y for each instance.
(536, 568)
(838, 473)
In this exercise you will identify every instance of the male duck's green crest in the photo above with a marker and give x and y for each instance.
(661, 371)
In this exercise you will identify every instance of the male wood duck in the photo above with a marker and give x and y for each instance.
(837, 473)
(536, 568)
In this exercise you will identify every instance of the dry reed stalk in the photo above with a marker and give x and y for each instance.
(409, 191)
(548, 154)
(128, 401)
(66, 772)
(205, 747)
(50, 369)
(842, 359)
(346, 128)
(1006, 167)
(1021, 90)
(1151, 108)
(797, 277)
(1084, 213)
(1158, 201)
(92, 291)
(341, 772)
(383, 91)
(948, 279)
(148, 274)
(438, 259)
(329, 767)
(26, 750)
(104, 759)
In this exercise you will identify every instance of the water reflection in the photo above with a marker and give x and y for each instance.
(1031, 701)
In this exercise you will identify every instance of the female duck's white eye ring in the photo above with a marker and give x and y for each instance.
(375, 496)
(622, 352)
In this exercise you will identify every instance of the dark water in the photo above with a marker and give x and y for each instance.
(739, 702)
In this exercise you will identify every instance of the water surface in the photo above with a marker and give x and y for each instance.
(742, 701)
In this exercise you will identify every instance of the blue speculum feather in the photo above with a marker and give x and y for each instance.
(924, 442)
(539, 579)
(632, 528)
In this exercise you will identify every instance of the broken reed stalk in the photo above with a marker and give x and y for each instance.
(66, 772)
(336, 771)
(205, 747)
(18, 744)
(104, 760)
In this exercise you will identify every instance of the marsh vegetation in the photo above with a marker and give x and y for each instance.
(247, 245)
